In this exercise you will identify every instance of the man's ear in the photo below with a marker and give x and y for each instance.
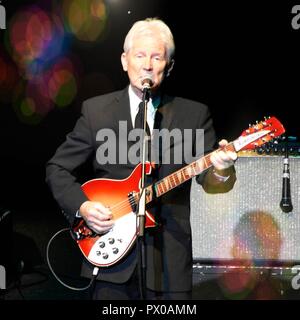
(124, 61)
(169, 67)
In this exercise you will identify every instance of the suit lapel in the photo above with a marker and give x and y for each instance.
(122, 109)
(164, 117)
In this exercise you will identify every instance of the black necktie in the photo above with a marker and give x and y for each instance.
(138, 123)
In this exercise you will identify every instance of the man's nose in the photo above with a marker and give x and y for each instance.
(148, 64)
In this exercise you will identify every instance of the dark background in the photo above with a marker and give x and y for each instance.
(239, 58)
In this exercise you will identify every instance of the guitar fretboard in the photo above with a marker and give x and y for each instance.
(178, 177)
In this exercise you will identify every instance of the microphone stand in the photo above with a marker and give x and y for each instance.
(141, 206)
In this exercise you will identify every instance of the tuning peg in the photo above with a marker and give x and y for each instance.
(260, 150)
(250, 126)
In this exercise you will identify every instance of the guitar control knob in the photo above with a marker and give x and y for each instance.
(115, 250)
(101, 244)
(111, 240)
(105, 255)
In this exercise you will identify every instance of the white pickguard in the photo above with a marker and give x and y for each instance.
(111, 247)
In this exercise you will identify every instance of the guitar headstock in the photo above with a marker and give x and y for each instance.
(259, 134)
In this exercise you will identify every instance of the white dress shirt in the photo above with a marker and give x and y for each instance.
(135, 101)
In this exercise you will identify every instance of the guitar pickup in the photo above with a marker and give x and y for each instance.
(132, 201)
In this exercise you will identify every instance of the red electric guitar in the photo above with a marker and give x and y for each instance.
(122, 196)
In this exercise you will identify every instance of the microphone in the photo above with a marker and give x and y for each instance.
(147, 82)
(286, 201)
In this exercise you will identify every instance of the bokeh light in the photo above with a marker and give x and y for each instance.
(256, 235)
(38, 44)
(87, 19)
(8, 77)
(62, 85)
(55, 87)
(25, 106)
(35, 39)
(38, 36)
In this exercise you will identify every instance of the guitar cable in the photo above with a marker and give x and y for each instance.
(95, 270)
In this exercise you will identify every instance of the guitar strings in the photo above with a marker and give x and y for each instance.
(128, 203)
(124, 204)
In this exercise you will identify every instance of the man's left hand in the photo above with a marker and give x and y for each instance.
(221, 158)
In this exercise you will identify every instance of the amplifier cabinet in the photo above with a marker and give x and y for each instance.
(247, 222)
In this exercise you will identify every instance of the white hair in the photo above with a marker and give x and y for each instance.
(150, 27)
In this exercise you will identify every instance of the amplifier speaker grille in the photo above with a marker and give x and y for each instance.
(247, 222)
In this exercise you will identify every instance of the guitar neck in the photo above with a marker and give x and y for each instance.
(182, 175)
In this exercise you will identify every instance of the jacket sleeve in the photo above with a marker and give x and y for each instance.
(211, 184)
(61, 168)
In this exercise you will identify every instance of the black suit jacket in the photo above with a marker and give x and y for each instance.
(168, 247)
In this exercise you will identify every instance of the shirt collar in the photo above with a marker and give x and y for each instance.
(135, 100)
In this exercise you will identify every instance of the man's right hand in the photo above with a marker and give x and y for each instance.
(97, 217)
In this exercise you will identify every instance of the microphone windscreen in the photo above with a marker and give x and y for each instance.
(147, 80)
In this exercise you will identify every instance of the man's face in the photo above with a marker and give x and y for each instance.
(147, 55)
